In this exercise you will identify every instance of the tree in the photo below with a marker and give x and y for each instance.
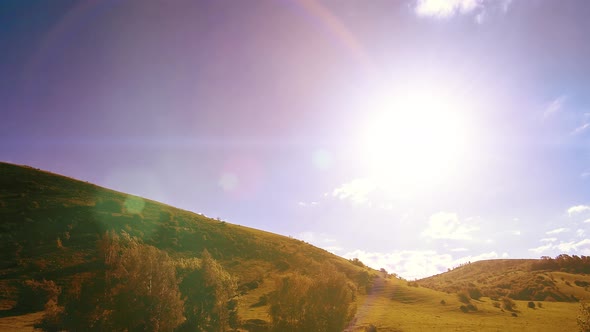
(211, 297)
(584, 317)
(136, 290)
(321, 303)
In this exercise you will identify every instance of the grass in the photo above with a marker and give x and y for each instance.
(400, 307)
(514, 278)
(49, 225)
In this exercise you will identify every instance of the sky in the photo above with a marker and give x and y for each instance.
(414, 135)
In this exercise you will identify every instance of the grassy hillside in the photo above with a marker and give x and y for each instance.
(401, 306)
(50, 224)
(514, 278)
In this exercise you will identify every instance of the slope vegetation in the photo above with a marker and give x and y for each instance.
(50, 226)
(519, 279)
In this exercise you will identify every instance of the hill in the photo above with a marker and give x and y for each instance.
(520, 279)
(50, 226)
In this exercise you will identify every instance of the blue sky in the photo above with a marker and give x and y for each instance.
(415, 135)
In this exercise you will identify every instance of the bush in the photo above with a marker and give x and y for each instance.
(211, 291)
(508, 304)
(321, 303)
(531, 304)
(136, 290)
(583, 318)
(443, 302)
(33, 295)
(474, 293)
(357, 262)
(464, 297)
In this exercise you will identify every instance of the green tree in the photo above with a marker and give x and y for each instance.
(321, 303)
(136, 290)
(211, 297)
(584, 317)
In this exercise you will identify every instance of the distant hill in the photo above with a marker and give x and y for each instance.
(50, 224)
(521, 279)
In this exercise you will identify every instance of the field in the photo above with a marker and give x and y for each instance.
(399, 307)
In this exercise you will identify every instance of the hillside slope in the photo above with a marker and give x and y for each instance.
(50, 224)
(515, 278)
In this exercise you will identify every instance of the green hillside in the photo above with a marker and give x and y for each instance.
(519, 279)
(50, 225)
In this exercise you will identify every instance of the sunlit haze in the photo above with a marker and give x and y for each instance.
(414, 135)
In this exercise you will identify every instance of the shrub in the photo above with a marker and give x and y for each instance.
(136, 290)
(301, 303)
(583, 318)
(508, 304)
(210, 304)
(474, 293)
(357, 262)
(443, 302)
(531, 304)
(463, 297)
(496, 304)
(33, 295)
(539, 305)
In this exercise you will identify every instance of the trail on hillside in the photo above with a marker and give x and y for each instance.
(376, 292)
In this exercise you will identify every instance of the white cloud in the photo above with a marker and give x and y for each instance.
(581, 129)
(549, 239)
(557, 231)
(515, 232)
(542, 248)
(333, 249)
(450, 8)
(307, 204)
(580, 232)
(446, 225)
(585, 175)
(554, 107)
(563, 246)
(587, 220)
(414, 264)
(357, 190)
(577, 209)
(459, 249)
(569, 246)
(307, 236)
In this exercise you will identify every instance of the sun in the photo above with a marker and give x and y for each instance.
(415, 140)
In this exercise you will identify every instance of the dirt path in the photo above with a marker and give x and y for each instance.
(376, 291)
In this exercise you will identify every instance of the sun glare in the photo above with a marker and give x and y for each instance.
(415, 140)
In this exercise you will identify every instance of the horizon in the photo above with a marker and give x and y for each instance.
(414, 135)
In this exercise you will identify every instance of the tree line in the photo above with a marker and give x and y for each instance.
(563, 262)
(138, 287)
